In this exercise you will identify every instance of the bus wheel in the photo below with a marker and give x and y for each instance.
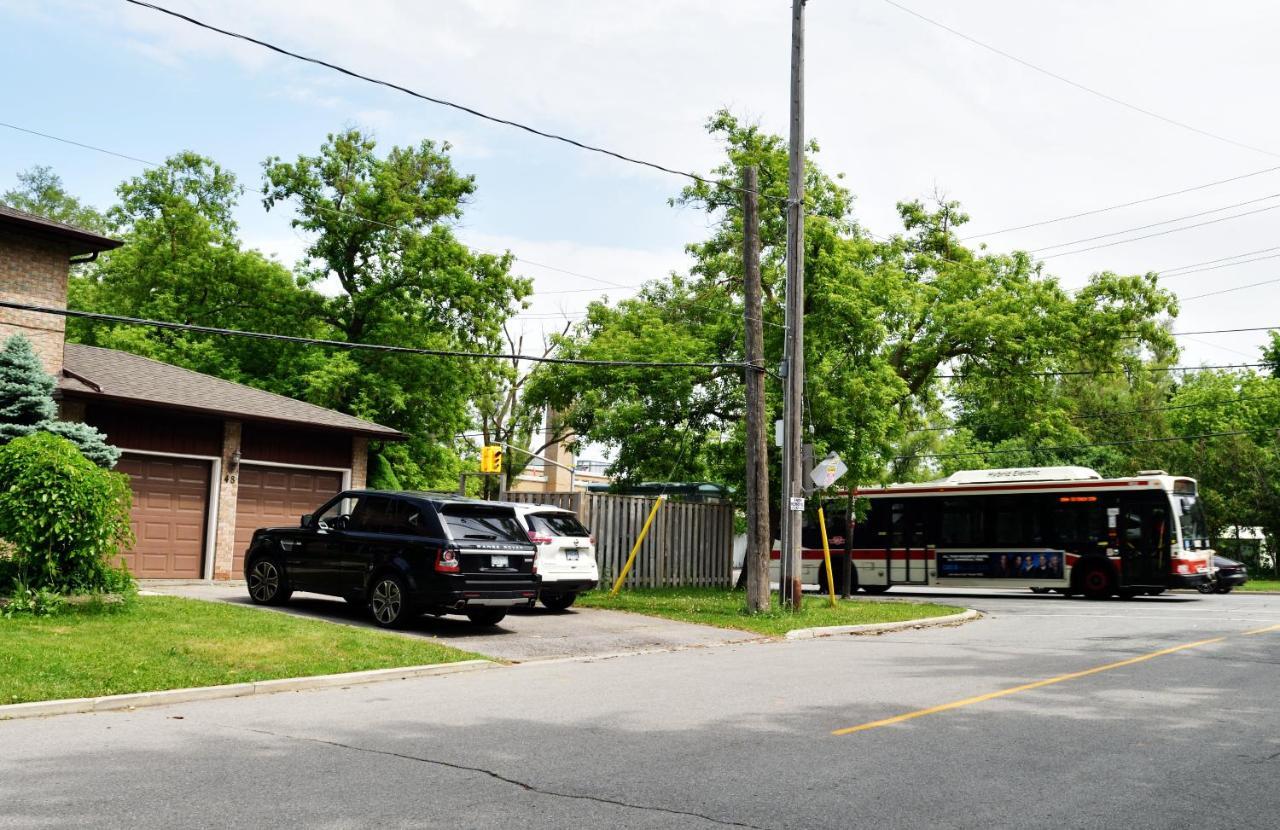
(875, 589)
(1097, 582)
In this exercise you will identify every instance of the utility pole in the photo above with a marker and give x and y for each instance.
(793, 354)
(759, 537)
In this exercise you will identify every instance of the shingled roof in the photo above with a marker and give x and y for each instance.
(94, 373)
(77, 238)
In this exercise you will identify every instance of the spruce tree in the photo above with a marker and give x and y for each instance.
(26, 390)
(27, 406)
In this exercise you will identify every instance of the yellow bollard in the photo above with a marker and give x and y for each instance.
(826, 556)
(635, 549)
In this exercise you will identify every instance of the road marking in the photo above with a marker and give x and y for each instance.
(1026, 687)
(1263, 630)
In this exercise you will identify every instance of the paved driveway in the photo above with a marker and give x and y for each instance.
(535, 634)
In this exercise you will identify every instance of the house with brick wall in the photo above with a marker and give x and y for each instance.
(208, 460)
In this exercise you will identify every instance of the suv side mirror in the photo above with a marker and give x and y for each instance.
(306, 520)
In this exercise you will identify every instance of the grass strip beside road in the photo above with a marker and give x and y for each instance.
(156, 643)
(1261, 585)
(727, 609)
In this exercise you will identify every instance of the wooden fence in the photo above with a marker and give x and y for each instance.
(688, 545)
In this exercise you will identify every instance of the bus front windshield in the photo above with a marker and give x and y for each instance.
(1195, 532)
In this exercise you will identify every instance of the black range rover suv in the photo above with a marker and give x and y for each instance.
(400, 555)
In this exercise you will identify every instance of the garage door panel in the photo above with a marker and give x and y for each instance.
(274, 497)
(170, 500)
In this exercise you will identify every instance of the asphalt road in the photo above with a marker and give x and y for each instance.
(1158, 712)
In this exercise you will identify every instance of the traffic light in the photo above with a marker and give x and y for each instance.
(491, 459)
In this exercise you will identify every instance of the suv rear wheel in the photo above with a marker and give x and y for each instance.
(389, 601)
(558, 601)
(486, 616)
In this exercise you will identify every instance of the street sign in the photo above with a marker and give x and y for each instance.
(797, 504)
(828, 471)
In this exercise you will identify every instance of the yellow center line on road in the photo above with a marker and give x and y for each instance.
(1026, 687)
(1263, 630)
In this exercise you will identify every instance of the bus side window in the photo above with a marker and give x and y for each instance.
(865, 532)
(1009, 521)
(962, 522)
(897, 525)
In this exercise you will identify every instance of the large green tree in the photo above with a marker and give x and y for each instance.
(382, 250)
(903, 333)
(183, 262)
(40, 191)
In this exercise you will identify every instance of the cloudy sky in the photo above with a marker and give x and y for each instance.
(903, 108)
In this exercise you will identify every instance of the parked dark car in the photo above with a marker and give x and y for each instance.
(1227, 574)
(400, 555)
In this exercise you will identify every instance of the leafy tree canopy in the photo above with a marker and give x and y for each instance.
(903, 333)
(40, 191)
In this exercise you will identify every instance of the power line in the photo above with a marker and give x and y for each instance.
(1224, 331)
(384, 224)
(1098, 415)
(77, 144)
(1098, 372)
(1201, 270)
(1108, 208)
(1155, 224)
(1162, 233)
(1105, 96)
(342, 344)
(1229, 290)
(1164, 271)
(1084, 446)
(442, 101)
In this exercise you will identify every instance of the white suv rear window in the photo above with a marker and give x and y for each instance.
(557, 524)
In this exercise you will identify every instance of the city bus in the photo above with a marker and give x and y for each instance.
(1064, 529)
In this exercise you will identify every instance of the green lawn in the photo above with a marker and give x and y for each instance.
(171, 643)
(727, 609)
(1261, 585)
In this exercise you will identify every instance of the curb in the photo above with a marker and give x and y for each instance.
(880, 628)
(137, 700)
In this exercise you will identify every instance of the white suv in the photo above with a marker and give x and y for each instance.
(566, 553)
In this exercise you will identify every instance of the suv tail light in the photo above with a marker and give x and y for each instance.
(592, 539)
(447, 562)
(538, 540)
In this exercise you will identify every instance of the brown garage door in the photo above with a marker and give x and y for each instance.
(170, 505)
(275, 497)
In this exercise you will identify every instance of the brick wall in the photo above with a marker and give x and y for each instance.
(34, 270)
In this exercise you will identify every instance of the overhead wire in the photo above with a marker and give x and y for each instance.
(1155, 224)
(1121, 205)
(1100, 372)
(1163, 233)
(337, 211)
(1121, 412)
(1073, 447)
(1229, 290)
(1076, 84)
(375, 347)
(444, 102)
